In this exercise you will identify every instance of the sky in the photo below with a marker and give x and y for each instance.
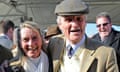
(91, 29)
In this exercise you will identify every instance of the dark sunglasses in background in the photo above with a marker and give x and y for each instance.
(104, 24)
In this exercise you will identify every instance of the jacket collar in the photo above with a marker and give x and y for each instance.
(85, 54)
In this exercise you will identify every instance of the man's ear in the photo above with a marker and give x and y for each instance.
(59, 26)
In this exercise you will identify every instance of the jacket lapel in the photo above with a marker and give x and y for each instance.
(85, 58)
(86, 54)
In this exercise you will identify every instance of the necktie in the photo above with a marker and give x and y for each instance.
(70, 51)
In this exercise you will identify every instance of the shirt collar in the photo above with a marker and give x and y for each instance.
(74, 46)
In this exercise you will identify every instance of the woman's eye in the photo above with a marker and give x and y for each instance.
(34, 38)
(26, 39)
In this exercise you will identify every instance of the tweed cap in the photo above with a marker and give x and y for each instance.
(71, 7)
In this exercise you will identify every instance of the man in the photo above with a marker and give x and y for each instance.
(106, 34)
(5, 57)
(5, 54)
(7, 34)
(52, 31)
(74, 51)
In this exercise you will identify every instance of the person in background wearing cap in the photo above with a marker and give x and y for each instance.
(6, 37)
(74, 51)
(107, 34)
(52, 31)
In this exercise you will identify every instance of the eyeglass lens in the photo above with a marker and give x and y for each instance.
(104, 24)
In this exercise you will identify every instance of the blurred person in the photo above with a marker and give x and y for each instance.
(74, 51)
(52, 31)
(107, 34)
(29, 54)
(6, 37)
(5, 54)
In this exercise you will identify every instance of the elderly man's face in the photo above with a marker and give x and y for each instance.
(31, 42)
(73, 27)
(104, 26)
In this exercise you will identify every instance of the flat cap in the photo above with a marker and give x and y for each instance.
(71, 7)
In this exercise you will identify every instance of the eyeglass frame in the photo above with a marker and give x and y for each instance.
(104, 24)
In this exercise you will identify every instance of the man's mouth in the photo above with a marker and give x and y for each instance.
(103, 30)
(77, 30)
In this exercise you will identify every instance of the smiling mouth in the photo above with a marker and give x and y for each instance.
(77, 30)
(103, 30)
(32, 49)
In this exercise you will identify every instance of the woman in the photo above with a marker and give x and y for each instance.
(29, 53)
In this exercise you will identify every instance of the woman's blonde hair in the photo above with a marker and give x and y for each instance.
(18, 52)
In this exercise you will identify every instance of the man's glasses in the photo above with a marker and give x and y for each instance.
(104, 24)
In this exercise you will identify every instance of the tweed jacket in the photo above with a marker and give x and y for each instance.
(113, 40)
(95, 56)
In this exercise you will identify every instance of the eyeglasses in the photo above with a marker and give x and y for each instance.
(104, 24)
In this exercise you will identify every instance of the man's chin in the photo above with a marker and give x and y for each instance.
(104, 33)
(75, 39)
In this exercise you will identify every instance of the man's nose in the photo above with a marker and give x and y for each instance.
(74, 23)
(30, 42)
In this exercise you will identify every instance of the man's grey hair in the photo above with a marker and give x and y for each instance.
(104, 14)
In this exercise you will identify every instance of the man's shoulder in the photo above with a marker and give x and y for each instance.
(94, 44)
(4, 50)
(58, 37)
(116, 32)
(5, 53)
(57, 41)
(99, 47)
(105, 51)
(95, 35)
(3, 37)
(106, 48)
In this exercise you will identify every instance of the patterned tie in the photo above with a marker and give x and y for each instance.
(70, 52)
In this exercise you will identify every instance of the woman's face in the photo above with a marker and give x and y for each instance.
(31, 42)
